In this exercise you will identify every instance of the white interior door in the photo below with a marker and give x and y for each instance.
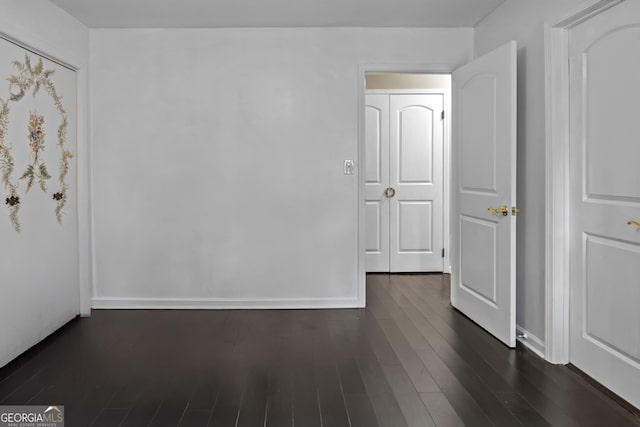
(483, 281)
(415, 170)
(404, 182)
(605, 198)
(376, 182)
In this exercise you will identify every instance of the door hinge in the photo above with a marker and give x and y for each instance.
(442, 115)
(442, 252)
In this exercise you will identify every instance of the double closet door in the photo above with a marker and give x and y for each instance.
(404, 182)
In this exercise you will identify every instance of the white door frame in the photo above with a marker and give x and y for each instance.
(422, 68)
(557, 221)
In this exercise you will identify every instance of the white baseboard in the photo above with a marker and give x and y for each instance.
(530, 341)
(218, 303)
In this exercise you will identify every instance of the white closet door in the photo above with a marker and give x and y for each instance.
(415, 169)
(404, 182)
(376, 182)
(40, 286)
(605, 199)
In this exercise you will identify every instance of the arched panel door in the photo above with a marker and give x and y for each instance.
(404, 182)
(605, 198)
(376, 182)
(483, 281)
(415, 171)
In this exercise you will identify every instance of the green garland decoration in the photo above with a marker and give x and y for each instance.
(33, 78)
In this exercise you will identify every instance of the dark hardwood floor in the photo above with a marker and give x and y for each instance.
(408, 359)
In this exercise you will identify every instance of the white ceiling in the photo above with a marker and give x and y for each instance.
(278, 13)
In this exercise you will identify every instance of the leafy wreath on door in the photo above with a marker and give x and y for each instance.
(33, 78)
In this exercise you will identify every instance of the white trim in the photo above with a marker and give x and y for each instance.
(220, 303)
(446, 171)
(36, 51)
(84, 180)
(68, 59)
(363, 69)
(557, 183)
(586, 10)
(530, 341)
(557, 196)
(362, 241)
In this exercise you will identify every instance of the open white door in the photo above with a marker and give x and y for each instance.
(483, 281)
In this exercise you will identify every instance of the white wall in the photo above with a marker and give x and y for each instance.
(218, 161)
(41, 277)
(523, 20)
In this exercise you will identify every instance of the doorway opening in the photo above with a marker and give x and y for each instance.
(406, 169)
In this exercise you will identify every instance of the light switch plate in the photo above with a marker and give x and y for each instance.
(349, 167)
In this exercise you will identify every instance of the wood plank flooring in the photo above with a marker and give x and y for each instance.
(408, 359)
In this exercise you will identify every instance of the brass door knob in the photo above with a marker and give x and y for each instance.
(390, 192)
(504, 210)
(634, 223)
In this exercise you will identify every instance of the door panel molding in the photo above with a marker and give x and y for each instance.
(405, 175)
(472, 268)
(611, 332)
(377, 158)
(406, 236)
(473, 121)
(374, 243)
